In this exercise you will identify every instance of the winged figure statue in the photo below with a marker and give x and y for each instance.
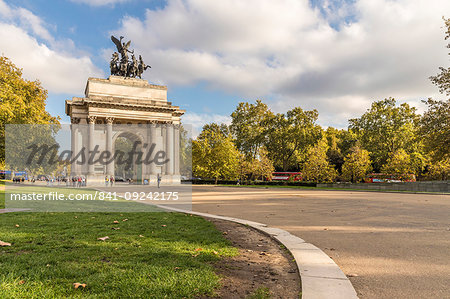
(125, 67)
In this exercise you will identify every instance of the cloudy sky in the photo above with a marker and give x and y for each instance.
(335, 56)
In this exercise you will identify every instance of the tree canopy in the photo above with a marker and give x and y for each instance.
(214, 154)
(356, 165)
(22, 101)
(435, 128)
(386, 128)
(290, 134)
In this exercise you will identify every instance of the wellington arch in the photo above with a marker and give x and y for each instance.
(130, 108)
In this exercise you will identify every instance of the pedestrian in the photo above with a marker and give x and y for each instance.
(159, 179)
(112, 181)
(106, 181)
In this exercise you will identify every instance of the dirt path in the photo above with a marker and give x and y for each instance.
(261, 264)
(391, 245)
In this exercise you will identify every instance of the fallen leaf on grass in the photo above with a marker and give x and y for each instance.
(177, 268)
(199, 249)
(115, 228)
(4, 243)
(76, 285)
(141, 236)
(225, 233)
(115, 221)
(163, 225)
(21, 282)
(125, 220)
(195, 255)
(215, 252)
(103, 238)
(17, 225)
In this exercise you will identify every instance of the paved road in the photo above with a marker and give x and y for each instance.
(398, 245)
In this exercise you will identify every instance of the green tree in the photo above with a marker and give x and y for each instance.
(442, 80)
(248, 126)
(356, 165)
(264, 166)
(317, 168)
(261, 167)
(22, 101)
(435, 129)
(399, 162)
(439, 170)
(214, 154)
(386, 128)
(290, 134)
(185, 153)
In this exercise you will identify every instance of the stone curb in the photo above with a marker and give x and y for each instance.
(321, 277)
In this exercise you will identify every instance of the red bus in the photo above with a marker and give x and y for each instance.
(287, 176)
(389, 178)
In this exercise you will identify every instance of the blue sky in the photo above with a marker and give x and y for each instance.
(333, 56)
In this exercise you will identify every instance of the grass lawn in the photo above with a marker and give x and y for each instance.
(152, 255)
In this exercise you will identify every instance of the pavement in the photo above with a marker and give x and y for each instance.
(390, 245)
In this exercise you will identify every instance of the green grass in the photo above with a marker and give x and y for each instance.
(260, 293)
(152, 255)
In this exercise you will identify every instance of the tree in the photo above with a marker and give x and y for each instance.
(386, 128)
(439, 170)
(291, 133)
(248, 126)
(442, 80)
(334, 152)
(214, 154)
(317, 167)
(399, 162)
(435, 129)
(356, 165)
(264, 166)
(22, 101)
(185, 153)
(261, 167)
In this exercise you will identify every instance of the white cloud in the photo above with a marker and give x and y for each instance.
(197, 121)
(288, 51)
(99, 2)
(58, 70)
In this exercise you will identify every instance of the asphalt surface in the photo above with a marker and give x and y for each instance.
(392, 245)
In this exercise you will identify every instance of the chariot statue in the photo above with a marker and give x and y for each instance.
(123, 66)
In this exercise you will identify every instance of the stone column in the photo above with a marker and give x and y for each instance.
(170, 149)
(109, 145)
(164, 146)
(74, 145)
(91, 120)
(177, 150)
(153, 140)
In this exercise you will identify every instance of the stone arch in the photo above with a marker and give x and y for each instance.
(137, 171)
